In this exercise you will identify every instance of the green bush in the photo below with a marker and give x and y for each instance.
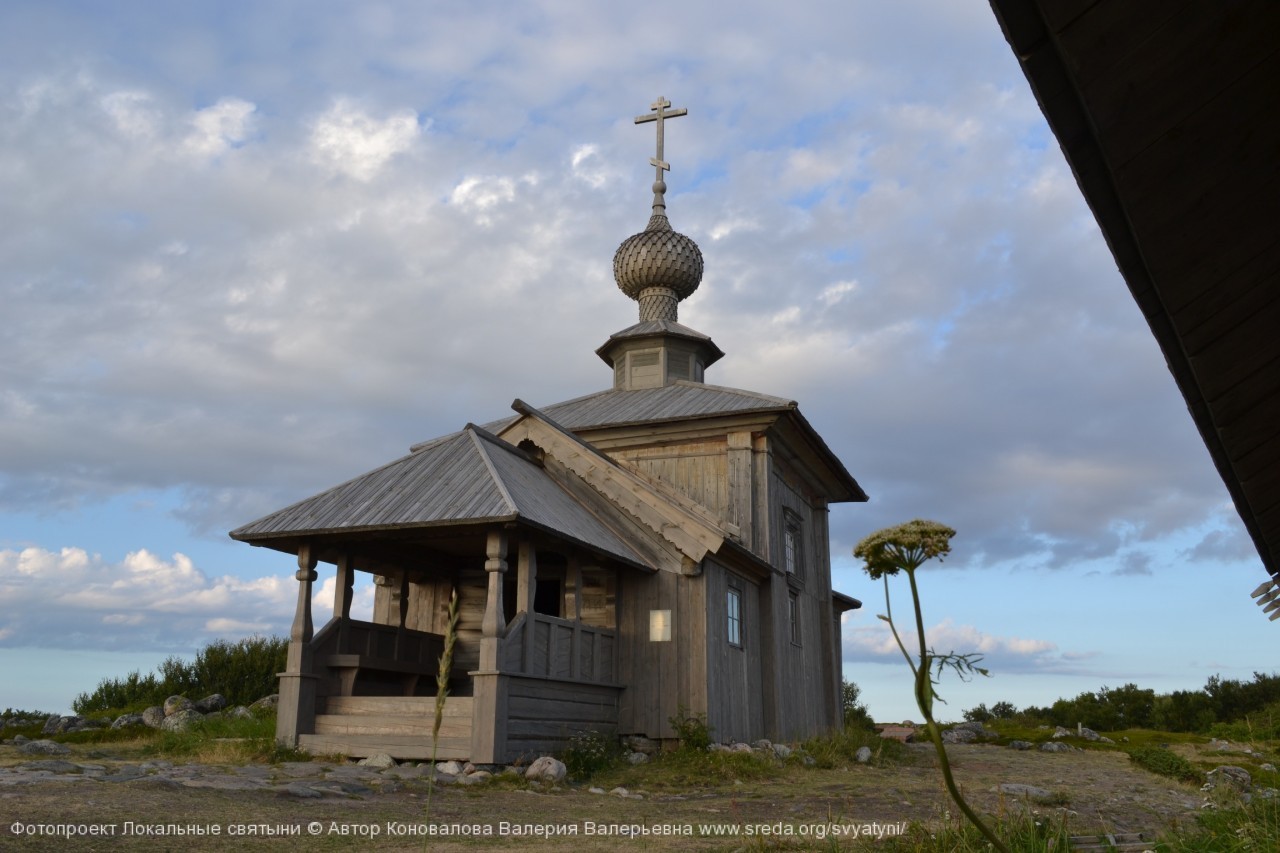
(1165, 763)
(589, 753)
(243, 671)
(691, 729)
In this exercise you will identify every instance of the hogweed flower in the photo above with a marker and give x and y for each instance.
(907, 546)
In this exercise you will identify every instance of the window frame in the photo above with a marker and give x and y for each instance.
(733, 617)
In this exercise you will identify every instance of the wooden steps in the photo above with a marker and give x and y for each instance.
(400, 726)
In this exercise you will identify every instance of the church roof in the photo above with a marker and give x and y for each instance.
(466, 477)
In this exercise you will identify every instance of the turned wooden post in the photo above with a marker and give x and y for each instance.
(526, 591)
(489, 705)
(573, 582)
(297, 709)
(495, 566)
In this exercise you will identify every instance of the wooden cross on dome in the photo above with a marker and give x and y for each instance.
(660, 113)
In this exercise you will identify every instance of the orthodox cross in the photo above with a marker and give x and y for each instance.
(660, 113)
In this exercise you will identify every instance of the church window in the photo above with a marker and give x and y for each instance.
(734, 611)
(792, 550)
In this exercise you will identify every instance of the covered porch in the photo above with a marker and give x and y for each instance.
(533, 658)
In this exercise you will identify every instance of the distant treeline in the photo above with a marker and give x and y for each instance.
(243, 671)
(1252, 706)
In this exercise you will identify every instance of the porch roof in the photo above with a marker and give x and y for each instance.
(464, 478)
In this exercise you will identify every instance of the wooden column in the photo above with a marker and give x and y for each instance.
(489, 705)
(297, 710)
(526, 589)
(573, 583)
(741, 485)
(342, 593)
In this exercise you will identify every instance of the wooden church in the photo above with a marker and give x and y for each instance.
(655, 548)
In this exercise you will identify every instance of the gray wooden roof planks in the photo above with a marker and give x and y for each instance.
(466, 477)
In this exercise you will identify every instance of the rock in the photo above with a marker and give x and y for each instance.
(265, 704)
(782, 750)
(381, 761)
(741, 747)
(153, 716)
(637, 758)
(238, 712)
(620, 792)
(57, 725)
(640, 743)
(595, 790)
(1056, 747)
(863, 755)
(1237, 777)
(52, 765)
(1019, 790)
(19, 740)
(808, 761)
(479, 776)
(976, 727)
(211, 703)
(718, 747)
(125, 720)
(546, 769)
(449, 768)
(1020, 744)
(958, 735)
(176, 704)
(763, 744)
(181, 721)
(43, 747)
(1089, 734)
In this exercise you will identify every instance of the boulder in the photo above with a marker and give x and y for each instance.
(1054, 746)
(381, 761)
(959, 735)
(546, 769)
(266, 704)
(863, 755)
(43, 747)
(153, 716)
(238, 712)
(211, 703)
(1020, 744)
(782, 750)
(175, 704)
(449, 768)
(1236, 777)
(125, 720)
(637, 758)
(181, 721)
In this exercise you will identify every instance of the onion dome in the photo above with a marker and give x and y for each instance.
(658, 267)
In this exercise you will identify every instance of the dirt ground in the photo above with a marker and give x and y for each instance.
(1099, 791)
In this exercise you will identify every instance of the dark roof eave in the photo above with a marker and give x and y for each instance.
(844, 603)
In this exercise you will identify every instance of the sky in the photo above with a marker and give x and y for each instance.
(249, 250)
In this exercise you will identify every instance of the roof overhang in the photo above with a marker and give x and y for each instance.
(1166, 114)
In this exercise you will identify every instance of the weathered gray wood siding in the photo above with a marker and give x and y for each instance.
(735, 689)
(698, 469)
(806, 677)
(661, 676)
(542, 714)
(429, 611)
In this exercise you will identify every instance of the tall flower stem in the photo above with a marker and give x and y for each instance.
(906, 548)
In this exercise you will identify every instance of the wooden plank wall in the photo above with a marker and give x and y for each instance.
(698, 469)
(735, 695)
(805, 672)
(429, 611)
(660, 676)
(542, 714)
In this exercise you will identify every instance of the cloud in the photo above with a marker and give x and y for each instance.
(72, 599)
(875, 644)
(220, 127)
(349, 141)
